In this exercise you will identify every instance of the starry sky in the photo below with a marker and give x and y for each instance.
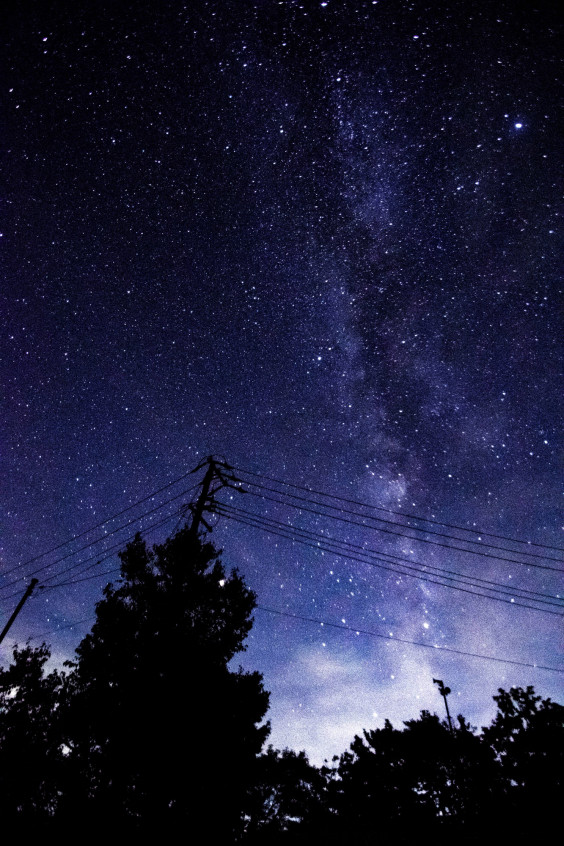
(322, 240)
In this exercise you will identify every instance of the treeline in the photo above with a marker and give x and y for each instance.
(150, 733)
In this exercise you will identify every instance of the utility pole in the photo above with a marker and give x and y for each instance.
(198, 509)
(218, 475)
(444, 691)
(18, 608)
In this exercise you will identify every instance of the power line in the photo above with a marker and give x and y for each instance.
(62, 628)
(98, 525)
(411, 642)
(412, 528)
(86, 578)
(397, 534)
(108, 554)
(95, 575)
(318, 536)
(327, 544)
(98, 540)
(395, 569)
(333, 546)
(407, 515)
(111, 550)
(343, 627)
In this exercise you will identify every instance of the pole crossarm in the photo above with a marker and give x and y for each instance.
(218, 475)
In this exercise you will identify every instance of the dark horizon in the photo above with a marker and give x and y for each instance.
(149, 731)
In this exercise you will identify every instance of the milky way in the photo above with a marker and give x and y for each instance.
(323, 241)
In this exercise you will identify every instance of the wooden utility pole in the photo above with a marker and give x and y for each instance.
(444, 691)
(198, 508)
(18, 608)
(220, 473)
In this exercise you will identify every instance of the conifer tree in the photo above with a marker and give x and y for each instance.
(162, 731)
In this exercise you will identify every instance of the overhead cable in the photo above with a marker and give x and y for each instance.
(378, 554)
(389, 568)
(398, 534)
(405, 514)
(411, 642)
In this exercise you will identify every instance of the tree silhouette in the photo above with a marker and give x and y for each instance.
(288, 799)
(424, 779)
(153, 732)
(393, 780)
(161, 731)
(527, 737)
(31, 757)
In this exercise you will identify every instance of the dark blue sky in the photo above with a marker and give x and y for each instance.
(323, 240)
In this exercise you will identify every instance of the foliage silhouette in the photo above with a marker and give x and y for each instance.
(162, 733)
(31, 757)
(287, 799)
(151, 732)
(527, 738)
(427, 780)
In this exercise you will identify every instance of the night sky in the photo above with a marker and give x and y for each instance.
(322, 240)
